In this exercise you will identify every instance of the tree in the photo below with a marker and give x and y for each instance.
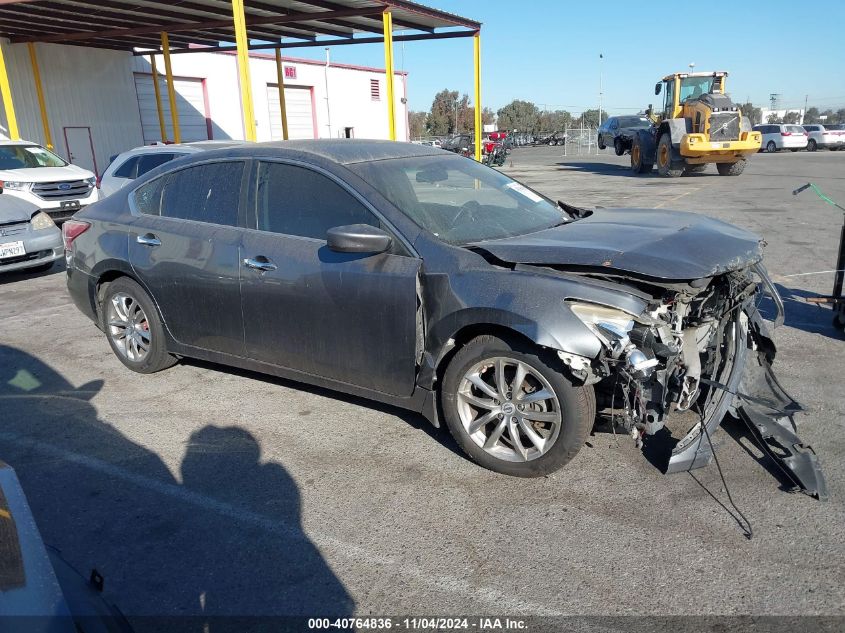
(417, 124)
(754, 115)
(488, 117)
(590, 118)
(811, 115)
(519, 115)
(773, 118)
(441, 117)
(553, 121)
(791, 116)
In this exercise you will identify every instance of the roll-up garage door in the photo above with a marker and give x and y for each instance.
(190, 101)
(300, 109)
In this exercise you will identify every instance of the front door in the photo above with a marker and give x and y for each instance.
(349, 317)
(80, 148)
(184, 247)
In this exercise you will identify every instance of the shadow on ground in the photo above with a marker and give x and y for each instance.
(800, 314)
(221, 537)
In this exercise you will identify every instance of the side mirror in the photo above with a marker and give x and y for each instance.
(657, 88)
(358, 238)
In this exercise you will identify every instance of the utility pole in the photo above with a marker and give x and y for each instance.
(804, 112)
(328, 104)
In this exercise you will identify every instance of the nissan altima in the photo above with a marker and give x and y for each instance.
(423, 279)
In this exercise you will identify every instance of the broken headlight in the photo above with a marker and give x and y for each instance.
(612, 327)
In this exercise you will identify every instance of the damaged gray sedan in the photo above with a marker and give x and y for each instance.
(425, 280)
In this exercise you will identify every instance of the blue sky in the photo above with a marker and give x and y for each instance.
(547, 51)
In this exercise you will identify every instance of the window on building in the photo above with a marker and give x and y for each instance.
(375, 90)
(297, 201)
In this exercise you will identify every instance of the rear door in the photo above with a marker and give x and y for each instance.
(184, 247)
(349, 317)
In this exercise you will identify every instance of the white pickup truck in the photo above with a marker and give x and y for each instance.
(37, 175)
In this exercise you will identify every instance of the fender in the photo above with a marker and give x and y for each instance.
(528, 300)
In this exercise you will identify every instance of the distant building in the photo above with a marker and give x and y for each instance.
(780, 114)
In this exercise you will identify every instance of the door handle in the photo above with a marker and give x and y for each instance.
(259, 263)
(148, 240)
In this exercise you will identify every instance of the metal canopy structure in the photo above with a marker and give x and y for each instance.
(166, 27)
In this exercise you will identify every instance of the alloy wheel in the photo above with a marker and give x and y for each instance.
(509, 409)
(128, 327)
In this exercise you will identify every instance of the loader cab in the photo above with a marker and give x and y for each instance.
(683, 87)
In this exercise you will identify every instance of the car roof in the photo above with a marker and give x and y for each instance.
(6, 141)
(342, 151)
(196, 146)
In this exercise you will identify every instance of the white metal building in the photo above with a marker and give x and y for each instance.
(101, 102)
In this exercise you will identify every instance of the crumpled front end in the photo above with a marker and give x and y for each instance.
(700, 351)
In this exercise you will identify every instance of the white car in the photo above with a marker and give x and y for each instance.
(37, 175)
(134, 163)
(778, 136)
(831, 137)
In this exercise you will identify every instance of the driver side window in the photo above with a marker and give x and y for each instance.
(297, 201)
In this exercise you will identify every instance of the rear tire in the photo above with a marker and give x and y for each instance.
(601, 142)
(618, 147)
(694, 169)
(731, 169)
(811, 145)
(664, 159)
(568, 404)
(771, 148)
(133, 328)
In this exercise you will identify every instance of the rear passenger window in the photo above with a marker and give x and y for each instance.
(148, 197)
(204, 193)
(297, 201)
(148, 162)
(127, 169)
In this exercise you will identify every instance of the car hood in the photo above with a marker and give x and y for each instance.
(644, 242)
(14, 209)
(45, 174)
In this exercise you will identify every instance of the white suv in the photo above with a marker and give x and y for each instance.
(778, 136)
(37, 175)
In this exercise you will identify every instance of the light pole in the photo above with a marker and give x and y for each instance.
(691, 67)
(601, 86)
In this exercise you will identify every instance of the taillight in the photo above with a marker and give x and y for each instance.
(72, 229)
(786, 133)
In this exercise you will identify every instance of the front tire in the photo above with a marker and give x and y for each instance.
(600, 142)
(638, 162)
(811, 145)
(771, 147)
(731, 169)
(133, 327)
(664, 159)
(618, 147)
(511, 411)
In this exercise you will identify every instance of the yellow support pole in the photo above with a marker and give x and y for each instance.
(157, 91)
(11, 119)
(39, 92)
(171, 89)
(387, 19)
(282, 106)
(242, 42)
(476, 42)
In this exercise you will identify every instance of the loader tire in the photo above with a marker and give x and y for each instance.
(664, 159)
(638, 164)
(731, 169)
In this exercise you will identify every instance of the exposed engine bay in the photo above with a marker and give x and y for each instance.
(700, 347)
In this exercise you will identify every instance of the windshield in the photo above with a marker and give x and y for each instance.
(25, 156)
(694, 87)
(634, 121)
(459, 200)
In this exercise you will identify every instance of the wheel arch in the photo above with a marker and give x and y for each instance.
(109, 271)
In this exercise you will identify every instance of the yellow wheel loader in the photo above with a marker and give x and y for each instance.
(699, 125)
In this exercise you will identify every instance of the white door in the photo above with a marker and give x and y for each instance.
(300, 109)
(80, 148)
(190, 104)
